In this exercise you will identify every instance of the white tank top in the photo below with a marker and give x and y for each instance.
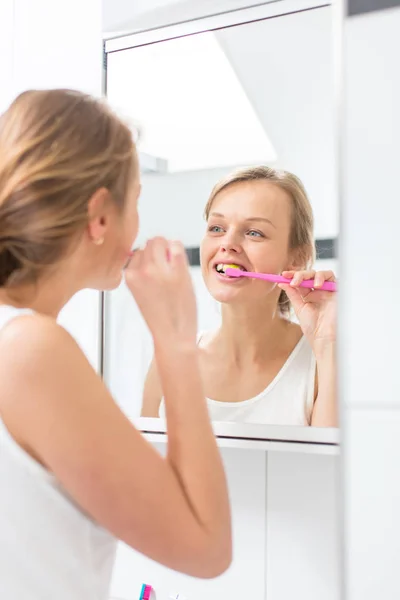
(49, 549)
(287, 400)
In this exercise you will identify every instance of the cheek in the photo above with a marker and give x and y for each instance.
(204, 251)
(131, 227)
(269, 256)
(208, 248)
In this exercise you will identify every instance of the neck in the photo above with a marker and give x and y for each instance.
(249, 333)
(47, 296)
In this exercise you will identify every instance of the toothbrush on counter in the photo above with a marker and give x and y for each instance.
(147, 592)
(233, 271)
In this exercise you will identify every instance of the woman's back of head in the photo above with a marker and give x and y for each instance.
(57, 147)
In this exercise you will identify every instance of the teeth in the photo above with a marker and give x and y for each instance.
(221, 268)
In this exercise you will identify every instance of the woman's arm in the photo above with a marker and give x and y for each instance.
(325, 410)
(174, 510)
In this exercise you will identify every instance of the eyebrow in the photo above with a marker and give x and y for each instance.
(250, 219)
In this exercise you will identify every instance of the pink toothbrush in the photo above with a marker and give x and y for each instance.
(328, 286)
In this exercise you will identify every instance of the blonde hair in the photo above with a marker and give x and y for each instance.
(57, 147)
(301, 236)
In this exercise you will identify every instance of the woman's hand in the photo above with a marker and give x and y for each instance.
(159, 279)
(315, 309)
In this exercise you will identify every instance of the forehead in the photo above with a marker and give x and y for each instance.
(252, 199)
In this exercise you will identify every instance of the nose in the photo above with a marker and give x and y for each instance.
(231, 243)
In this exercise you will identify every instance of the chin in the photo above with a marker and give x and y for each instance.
(115, 283)
(108, 284)
(227, 296)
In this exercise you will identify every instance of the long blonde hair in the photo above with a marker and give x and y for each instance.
(302, 221)
(57, 147)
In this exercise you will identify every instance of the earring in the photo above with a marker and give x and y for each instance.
(99, 241)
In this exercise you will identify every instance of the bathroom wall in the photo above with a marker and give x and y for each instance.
(370, 324)
(6, 51)
(55, 44)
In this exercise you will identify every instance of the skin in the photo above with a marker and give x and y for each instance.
(249, 225)
(60, 412)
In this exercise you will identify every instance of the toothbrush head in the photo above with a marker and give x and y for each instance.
(222, 268)
(233, 271)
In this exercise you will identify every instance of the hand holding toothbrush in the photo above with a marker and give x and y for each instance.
(314, 308)
(158, 277)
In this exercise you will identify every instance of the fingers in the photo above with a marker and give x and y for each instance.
(294, 297)
(178, 257)
(319, 277)
(322, 276)
(159, 258)
(158, 253)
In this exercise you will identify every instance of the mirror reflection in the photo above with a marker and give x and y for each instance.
(237, 160)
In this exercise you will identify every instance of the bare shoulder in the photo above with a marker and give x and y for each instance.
(35, 343)
(40, 363)
(43, 375)
(38, 327)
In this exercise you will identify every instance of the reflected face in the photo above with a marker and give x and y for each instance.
(249, 226)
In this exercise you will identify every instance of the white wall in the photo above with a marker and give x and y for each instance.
(370, 324)
(302, 535)
(46, 44)
(6, 52)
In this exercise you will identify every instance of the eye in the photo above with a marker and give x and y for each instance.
(215, 229)
(255, 233)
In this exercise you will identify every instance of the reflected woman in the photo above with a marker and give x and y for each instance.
(259, 366)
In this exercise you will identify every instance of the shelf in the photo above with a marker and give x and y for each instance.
(247, 436)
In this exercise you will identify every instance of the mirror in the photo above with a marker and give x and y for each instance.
(233, 94)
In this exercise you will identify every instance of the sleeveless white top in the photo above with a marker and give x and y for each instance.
(287, 400)
(49, 549)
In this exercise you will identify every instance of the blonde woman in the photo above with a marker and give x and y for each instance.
(260, 366)
(75, 475)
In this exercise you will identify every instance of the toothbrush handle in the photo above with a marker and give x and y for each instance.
(328, 286)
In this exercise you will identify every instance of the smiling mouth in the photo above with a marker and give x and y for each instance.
(221, 268)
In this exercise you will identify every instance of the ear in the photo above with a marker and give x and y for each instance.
(98, 214)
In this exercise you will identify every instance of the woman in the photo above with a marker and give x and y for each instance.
(75, 475)
(260, 366)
